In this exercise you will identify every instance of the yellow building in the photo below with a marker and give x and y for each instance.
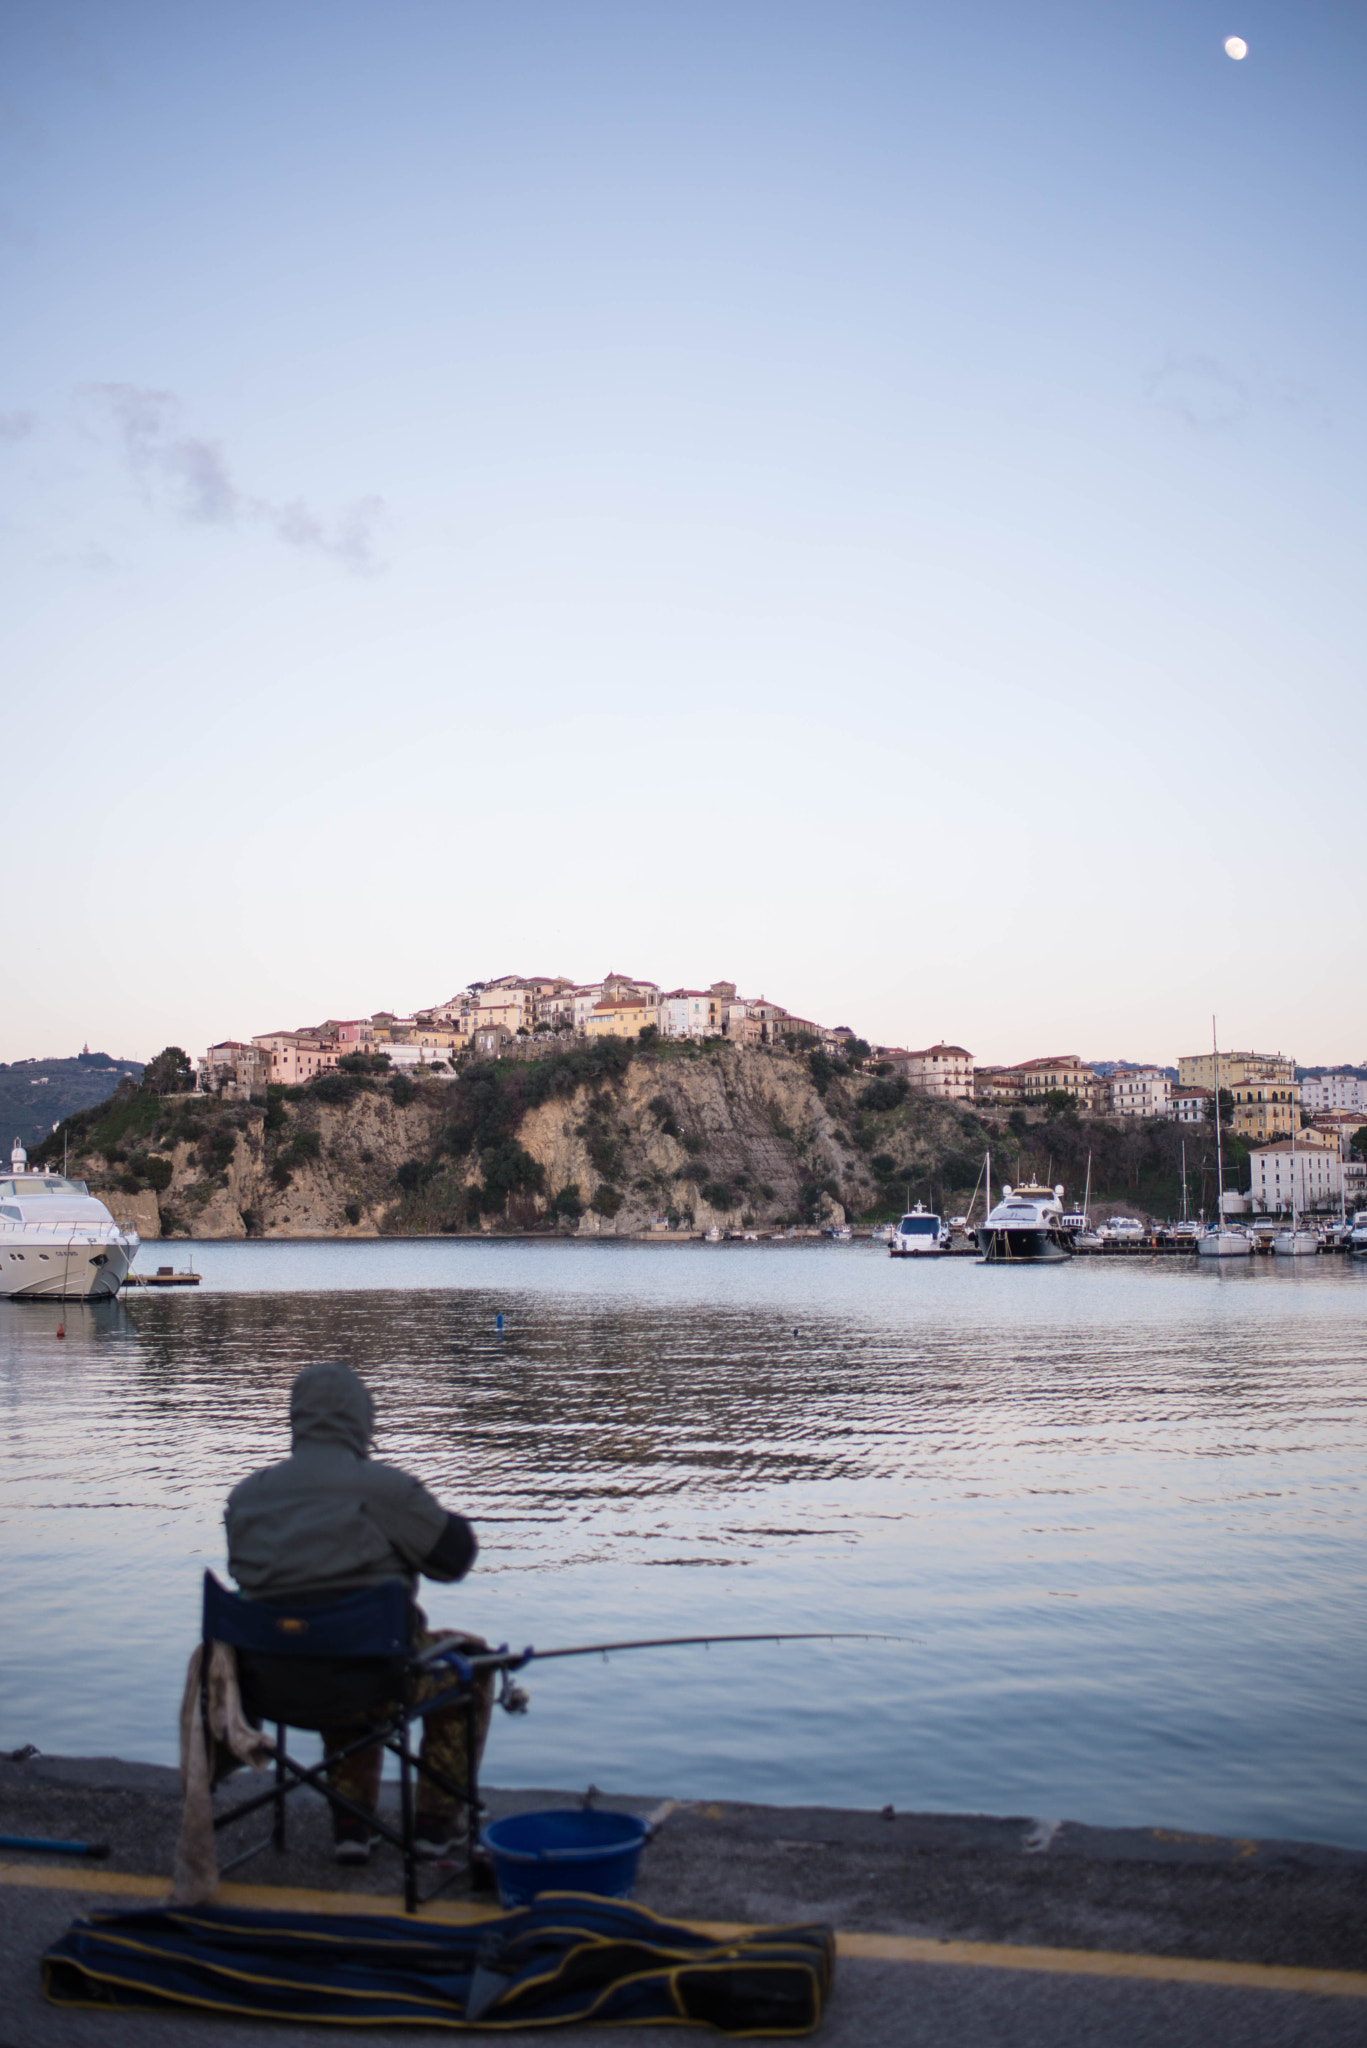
(1265, 1110)
(624, 1018)
(1197, 1069)
(1065, 1074)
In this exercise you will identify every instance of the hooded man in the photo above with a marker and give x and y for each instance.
(328, 1519)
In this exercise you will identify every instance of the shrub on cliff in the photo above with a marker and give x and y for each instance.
(568, 1203)
(718, 1196)
(363, 1063)
(509, 1169)
(303, 1145)
(659, 1107)
(159, 1172)
(336, 1088)
(607, 1200)
(885, 1094)
(415, 1174)
(402, 1089)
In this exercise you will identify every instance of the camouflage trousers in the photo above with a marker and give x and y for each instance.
(443, 1740)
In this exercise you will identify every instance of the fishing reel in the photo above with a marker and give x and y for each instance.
(514, 1699)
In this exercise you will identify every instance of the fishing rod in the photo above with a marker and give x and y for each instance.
(504, 1659)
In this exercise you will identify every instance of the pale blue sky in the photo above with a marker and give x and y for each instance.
(864, 500)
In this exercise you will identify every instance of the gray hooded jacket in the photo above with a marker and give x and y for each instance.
(328, 1518)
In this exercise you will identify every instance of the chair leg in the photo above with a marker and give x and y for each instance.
(471, 1787)
(278, 1828)
(407, 1820)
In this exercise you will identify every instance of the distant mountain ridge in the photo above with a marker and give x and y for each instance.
(36, 1094)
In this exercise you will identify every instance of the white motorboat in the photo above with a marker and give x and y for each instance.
(57, 1241)
(919, 1235)
(1122, 1230)
(1220, 1240)
(1357, 1234)
(1026, 1225)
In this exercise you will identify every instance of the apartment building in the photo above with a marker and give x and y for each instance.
(945, 1070)
(690, 1013)
(1064, 1074)
(1191, 1105)
(1264, 1109)
(613, 988)
(293, 1057)
(1335, 1091)
(623, 1016)
(998, 1084)
(1340, 1126)
(1197, 1069)
(1140, 1091)
(1312, 1168)
(231, 1065)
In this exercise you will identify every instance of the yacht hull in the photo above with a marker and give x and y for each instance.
(1296, 1244)
(86, 1271)
(1223, 1244)
(1000, 1246)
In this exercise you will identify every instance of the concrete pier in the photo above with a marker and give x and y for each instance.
(955, 1928)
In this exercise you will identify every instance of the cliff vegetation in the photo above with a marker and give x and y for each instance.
(607, 1139)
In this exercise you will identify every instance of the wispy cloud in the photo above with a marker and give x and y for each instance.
(191, 476)
(15, 426)
(1200, 391)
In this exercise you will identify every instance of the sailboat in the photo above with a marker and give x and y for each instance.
(1218, 1240)
(1295, 1243)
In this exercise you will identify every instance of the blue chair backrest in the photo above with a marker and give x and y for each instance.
(370, 1622)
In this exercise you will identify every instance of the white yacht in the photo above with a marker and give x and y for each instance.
(919, 1235)
(1122, 1230)
(57, 1242)
(1027, 1224)
(1357, 1234)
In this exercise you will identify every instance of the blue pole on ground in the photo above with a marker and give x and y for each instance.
(498, 1323)
(56, 1848)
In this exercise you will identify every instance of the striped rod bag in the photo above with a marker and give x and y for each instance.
(568, 1957)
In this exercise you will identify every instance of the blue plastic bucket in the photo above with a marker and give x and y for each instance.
(579, 1849)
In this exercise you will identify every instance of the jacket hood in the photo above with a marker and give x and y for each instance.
(329, 1404)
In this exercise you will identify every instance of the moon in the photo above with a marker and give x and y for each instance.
(1235, 47)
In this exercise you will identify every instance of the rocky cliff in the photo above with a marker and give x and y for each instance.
(607, 1139)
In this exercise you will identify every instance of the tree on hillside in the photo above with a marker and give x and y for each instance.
(170, 1073)
(1358, 1143)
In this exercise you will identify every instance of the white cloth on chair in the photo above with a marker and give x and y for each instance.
(195, 1872)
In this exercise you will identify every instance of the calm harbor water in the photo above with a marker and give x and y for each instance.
(1118, 1508)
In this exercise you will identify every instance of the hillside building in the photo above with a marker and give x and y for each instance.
(1141, 1092)
(1313, 1169)
(1197, 1069)
(1335, 1091)
(943, 1070)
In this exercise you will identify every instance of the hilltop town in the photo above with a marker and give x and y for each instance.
(537, 1102)
(518, 1016)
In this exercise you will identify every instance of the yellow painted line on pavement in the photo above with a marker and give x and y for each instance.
(878, 1948)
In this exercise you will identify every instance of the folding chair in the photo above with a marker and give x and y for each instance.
(317, 1662)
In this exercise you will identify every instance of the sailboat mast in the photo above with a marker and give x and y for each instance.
(1219, 1149)
(1294, 1121)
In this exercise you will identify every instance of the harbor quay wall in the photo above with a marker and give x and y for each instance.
(1061, 1886)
